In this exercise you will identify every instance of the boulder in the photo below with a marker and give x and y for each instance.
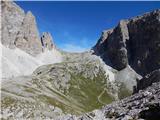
(147, 80)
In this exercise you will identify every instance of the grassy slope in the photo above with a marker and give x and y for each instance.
(83, 94)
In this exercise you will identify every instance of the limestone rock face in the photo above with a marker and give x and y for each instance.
(135, 42)
(28, 37)
(22, 50)
(12, 18)
(46, 41)
(117, 51)
(19, 30)
(114, 46)
(144, 42)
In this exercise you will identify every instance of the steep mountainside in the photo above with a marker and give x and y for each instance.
(41, 82)
(20, 30)
(134, 41)
(22, 48)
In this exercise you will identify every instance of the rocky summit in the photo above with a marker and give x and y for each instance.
(118, 79)
(23, 48)
(20, 30)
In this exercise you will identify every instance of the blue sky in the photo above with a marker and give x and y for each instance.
(76, 26)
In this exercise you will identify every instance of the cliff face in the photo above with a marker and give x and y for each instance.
(23, 49)
(27, 37)
(12, 18)
(135, 42)
(19, 30)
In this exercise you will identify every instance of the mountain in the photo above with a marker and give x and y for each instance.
(23, 50)
(42, 82)
(134, 41)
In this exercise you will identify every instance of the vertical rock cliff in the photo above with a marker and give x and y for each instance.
(27, 37)
(19, 30)
(23, 49)
(134, 42)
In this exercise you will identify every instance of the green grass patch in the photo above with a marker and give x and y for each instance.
(86, 91)
(7, 101)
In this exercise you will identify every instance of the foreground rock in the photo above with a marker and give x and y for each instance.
(153, 77)
(143, 105)
(134, 41)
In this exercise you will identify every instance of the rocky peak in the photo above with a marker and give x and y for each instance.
(28, 37)
(135, 42)
(12, 18)
(19, 30)
(47, 41)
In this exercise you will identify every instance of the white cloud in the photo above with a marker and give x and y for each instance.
(74, 48)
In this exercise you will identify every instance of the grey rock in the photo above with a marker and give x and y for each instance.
(144, 42)
(19, 30)
(125, 110)
(135, 42)
(113, 43)
(28, 37)
(127, 117)
(47, 41)
(12, 18)
(148, 80)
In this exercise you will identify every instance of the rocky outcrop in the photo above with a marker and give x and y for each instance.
(144, 105)
(135, 42)
(27, 38)
(147, 80)
(12, 18)
(23, 50)
(47, 41)
(19, 30)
